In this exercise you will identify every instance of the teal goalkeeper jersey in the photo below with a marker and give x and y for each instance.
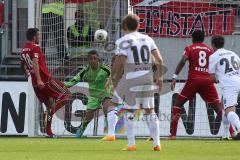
(96, 80)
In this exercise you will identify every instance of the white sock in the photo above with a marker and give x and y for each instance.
(226, 125)
(153, 125)
(234, 120)
(112, 121)
(129, 124)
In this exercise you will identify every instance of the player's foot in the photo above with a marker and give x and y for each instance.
(157, 148)
(172, 137)
(225, 138)
(237, 137)
(49, 123)
(130, 148)
(150, 139)
(109, 138)
(79, 133)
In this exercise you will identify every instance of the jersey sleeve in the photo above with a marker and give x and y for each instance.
(120, 50)
(186, 52)
(35, 52)
(106, 69)
(153, 45)
(77, 78)
(212, 65)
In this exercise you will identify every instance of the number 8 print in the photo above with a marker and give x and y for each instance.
(202, 59)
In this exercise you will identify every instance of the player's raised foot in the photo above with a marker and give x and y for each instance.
(79, 133)
(109, 138)
(157, 148)
(130, 148)
(225, 138)
(172, 137)
(237, 137)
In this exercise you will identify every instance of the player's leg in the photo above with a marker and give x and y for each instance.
(187, 93)
(42, 95)
(49, 103)
(209, 94)
(59, 92)
(176, 113)
(230, 101)
(153, 125)
(129, 125)
(152, 120)
(55, 89)
(109, 110)
(86, 120)
(93, 104)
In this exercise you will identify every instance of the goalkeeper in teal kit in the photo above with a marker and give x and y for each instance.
(96, 75)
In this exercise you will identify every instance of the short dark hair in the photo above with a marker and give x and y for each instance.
(198, 36)
(93, 52)
(218, 41)
(130, 22)
(31, 32)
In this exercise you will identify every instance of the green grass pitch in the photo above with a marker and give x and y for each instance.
(94, 149)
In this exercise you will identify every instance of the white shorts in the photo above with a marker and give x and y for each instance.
(230, 96)
(136, 100)
(142, 103)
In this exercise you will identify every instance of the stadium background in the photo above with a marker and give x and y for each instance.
(19, 117)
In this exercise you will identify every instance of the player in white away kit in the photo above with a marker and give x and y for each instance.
(224, 65)
(135, 55)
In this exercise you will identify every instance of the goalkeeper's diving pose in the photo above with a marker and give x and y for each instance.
(96, 74)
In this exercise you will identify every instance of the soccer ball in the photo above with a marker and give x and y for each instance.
(100, 35)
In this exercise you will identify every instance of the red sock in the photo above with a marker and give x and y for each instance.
(49, 127)
(174, 120)
(231, 130)
(54, 109)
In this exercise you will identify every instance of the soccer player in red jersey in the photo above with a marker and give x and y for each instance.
(198, 79)
(45, 86)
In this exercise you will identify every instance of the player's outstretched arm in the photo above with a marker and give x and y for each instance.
(73, 81)
(158, 62)
(178, 69)
(77, 78)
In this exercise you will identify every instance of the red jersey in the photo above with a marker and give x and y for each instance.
(29, 52)
(198, 56)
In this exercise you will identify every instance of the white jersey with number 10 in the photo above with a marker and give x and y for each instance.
(137, 48)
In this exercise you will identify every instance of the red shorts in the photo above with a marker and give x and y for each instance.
(53, 88)
(204, 87)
